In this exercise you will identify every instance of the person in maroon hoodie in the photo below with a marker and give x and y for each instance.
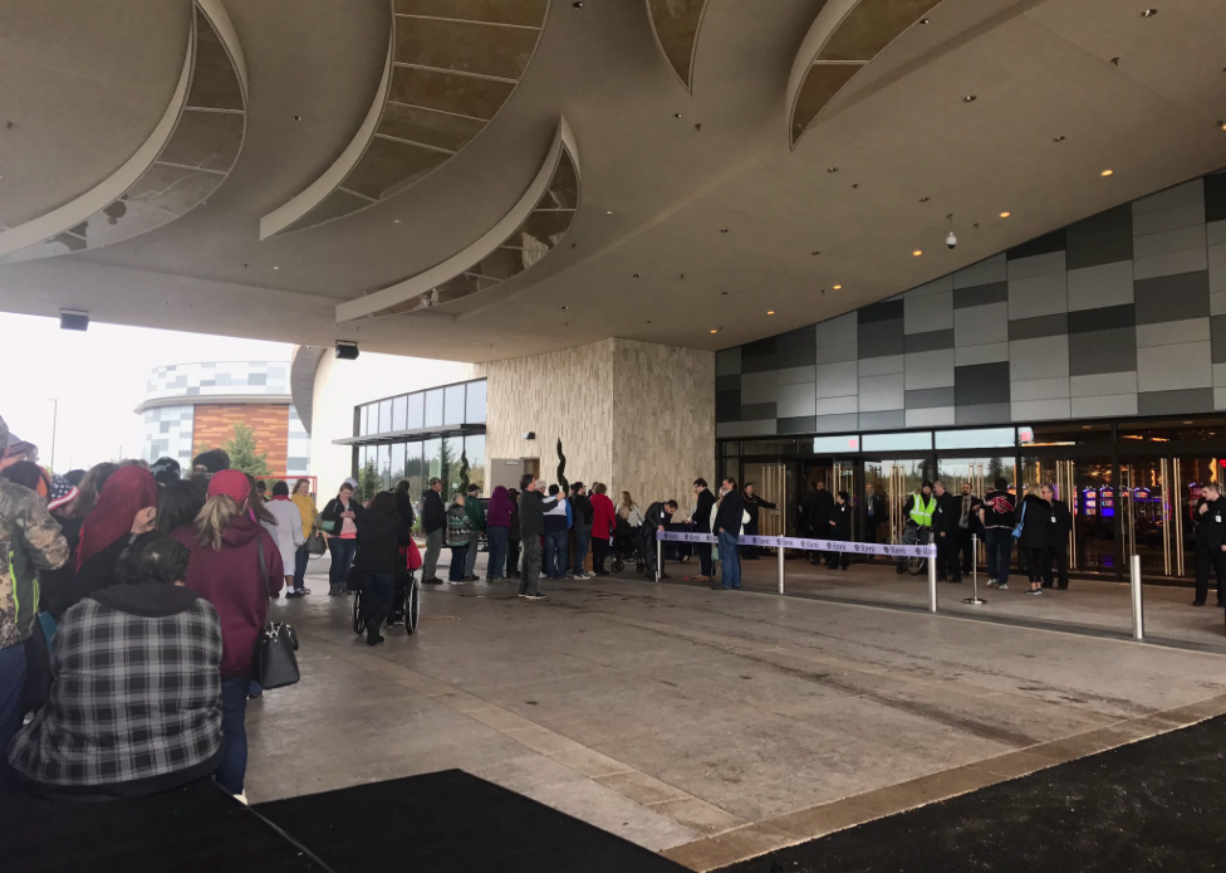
(236, 566)
(604, 522)
(498, 532)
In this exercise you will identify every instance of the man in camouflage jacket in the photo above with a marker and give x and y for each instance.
(30, 540)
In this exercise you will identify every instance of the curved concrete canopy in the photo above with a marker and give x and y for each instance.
(676, 24)
(189, 153)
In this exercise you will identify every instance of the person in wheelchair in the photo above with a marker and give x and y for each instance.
(919, 510)
(381, 534)
(624, 550)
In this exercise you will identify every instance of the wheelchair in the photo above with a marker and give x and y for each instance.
(406, 604)
(625, 548)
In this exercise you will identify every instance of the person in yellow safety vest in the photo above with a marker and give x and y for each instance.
(919, 510)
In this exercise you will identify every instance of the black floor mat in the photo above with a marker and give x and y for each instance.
(451, 822)
(189, 830)
(1156, 805)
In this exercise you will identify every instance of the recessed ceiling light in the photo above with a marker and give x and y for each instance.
(276, 268)
(1221, 124)
(396, 221)
(715, 330)
(1106, 173)
(917, 253)
(969, 98)
(608, 212)
(676, 115)
(925, 199)
(815, 253)
(832, 169)
(723, 293)
(770, 312)
(649, 321)
(566, 307)
(638, 275)
(837, 287)
(1060, 138)
(297, 118)
(925, 20)
(1149, 13)
(723, 230)
(1005, 214)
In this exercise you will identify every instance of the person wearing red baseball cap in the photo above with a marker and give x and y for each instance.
(236, 566)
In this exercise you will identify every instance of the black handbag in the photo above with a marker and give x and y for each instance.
(274, 664)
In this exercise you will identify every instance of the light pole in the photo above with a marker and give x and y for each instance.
(55, 417)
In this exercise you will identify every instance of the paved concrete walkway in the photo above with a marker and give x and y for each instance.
(710, 726)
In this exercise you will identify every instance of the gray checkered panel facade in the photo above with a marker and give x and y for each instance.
(1123, 313)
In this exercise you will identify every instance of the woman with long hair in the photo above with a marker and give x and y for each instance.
(236, 566)
(91, 486)
(339, 520)
(178, 504)
(382, 534)
(125, 511)
(629, 510)
(287, 531)
(306, 508)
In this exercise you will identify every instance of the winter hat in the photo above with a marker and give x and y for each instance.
(62, 493)
(232, 483)
(165, 471)
(351, 482)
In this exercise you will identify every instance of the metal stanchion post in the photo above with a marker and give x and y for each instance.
(974, 600)
(781, 571)
(659, 556)
(932, 581)
(1138, 615)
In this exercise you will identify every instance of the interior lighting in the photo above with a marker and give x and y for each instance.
(276, 268)
(917, 253)
(837, 287)
(770, 312)
(925, 20)
(715, 330)
(1005, 214)
(969, 98)
(1060, 138)
(1149, 13)
(832, 169)
(1107, 173)
(608, 212)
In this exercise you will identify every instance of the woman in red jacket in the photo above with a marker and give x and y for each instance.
(236, 566)
(604, 521)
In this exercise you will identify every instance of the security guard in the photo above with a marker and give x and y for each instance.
(919, 511)
(1210, 543)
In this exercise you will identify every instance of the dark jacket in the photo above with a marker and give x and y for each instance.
(237, 584)
(948, 514)
(136, 706)
(999, 509)
(98, 570)
(56, 588)
(1058, 531)
(514, 527)
(581, 507)
(702, 512)
(1035, 522)
(753, 507)
(821, 509)
(839, 523)
(532, 508)
(433, 513)
(1211, 527)
(874, 502)
(334, 508)
(30, 543)
(380, 536)
(500, 510)
(404, 508)
(475, 510)
(731, 510)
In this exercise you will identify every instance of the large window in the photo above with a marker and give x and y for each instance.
(449, 405)
(453, 406)
(417, 411)
(434, 408)
(475, 407)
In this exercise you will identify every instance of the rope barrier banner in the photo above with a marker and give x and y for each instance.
(808, 545)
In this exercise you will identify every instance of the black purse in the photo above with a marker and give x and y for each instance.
(274, 664)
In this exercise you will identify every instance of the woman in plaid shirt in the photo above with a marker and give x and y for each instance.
(136, 704)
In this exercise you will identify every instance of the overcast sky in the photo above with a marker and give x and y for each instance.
(99, 378)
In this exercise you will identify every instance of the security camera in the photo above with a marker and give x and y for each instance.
(951, 240)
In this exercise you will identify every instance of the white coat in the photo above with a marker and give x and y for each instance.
(288, 531)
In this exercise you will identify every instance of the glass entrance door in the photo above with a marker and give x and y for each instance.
(776, 484)
(895, 480)
(1088, 486)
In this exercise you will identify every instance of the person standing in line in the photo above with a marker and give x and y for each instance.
(382, 534)
(728, 521)
(404, 503)
(702, 525)
(497, 531)
(839, 526)
(823, 507)
(874, 513)
(1034, 519)
(945, 526)
(340, 520)
(287, 531)
(236, 566)
(1209, 513)
(476, 520)
(434, 525)
(581, 527)
(604, 522)
(996, 517)
(306, 509)
(556, 535)
(126, 511)
(460, 536)
(753, 505)
(968, 524)
(513, 536)
(1058, 527)
(31, 542)
(532, 504)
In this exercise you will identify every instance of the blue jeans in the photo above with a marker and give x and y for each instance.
(12, 681)
(582, 538)
(301, 558)
(555, 554)
(455, 573)
(233, 765)
(999, 542)
(342, 559)
(731, 560)
(497, 568)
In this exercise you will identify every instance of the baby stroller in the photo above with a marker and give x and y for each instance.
(625, 547)
(406, 599)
